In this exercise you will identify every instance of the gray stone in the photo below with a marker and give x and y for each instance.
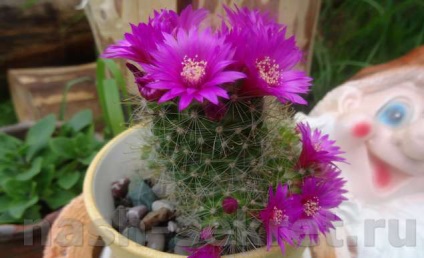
(157, 205)
(155, 240)
(141, 194)
(181, 246)
(119, 218)
(135, 214)
(160, 189)
(135, 234)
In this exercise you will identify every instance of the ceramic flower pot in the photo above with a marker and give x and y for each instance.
(120, 158)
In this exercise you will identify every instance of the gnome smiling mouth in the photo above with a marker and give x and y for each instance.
(386, 177)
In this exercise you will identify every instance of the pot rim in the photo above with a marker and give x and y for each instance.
(105, 229)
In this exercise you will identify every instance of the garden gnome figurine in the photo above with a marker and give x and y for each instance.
(378, 120)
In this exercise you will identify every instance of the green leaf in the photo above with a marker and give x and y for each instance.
(87, 160)
(15, 188)
(45, 179)
(31, 172)
(18, 208)
(4, 203)
(6, 218)
(8, 142)
(32, 214)
(114, 68)
(110, 101)
(68, 180)
(114, 111)
(81, 120)
(38, 135)
(63, 147)
(59, 198)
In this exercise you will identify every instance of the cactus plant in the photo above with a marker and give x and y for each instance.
(221, 139)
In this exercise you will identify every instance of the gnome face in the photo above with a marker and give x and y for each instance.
(379, 122)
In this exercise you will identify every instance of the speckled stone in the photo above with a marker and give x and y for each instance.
(159, 204)
(135, 214)
(154, 218)
(155, 240)
(141, 194)
(120, 188)
(119, 218)
(135, 234)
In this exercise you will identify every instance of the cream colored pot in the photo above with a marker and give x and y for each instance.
(120, 158)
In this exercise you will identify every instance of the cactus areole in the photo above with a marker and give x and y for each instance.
(240, 168)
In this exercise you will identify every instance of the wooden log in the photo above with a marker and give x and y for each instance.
(49, 33)
(39, 91)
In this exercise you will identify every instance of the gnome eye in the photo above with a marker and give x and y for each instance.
(394, 114)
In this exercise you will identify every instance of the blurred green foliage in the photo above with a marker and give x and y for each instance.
(353, 34)
(45, 170)
(7, 113)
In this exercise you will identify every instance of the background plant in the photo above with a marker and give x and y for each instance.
(45, 170)
(355, 34)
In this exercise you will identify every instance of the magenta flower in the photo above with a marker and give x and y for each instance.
(317, 198)
(229, 205)
(206, 251)
(137, 45)
(267, 56)
(192, 66)
(279, 216)
(244, 18)
(141, 79)
(316, 148)
(144, 37)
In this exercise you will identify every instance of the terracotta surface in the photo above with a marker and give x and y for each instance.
(412, 58)
(71, 235)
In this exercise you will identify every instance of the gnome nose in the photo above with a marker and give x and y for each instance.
(412, 143)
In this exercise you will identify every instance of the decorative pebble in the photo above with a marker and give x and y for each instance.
(159, 204)
(119, 218)
(161, 190)
(135, 214)
(126, 202)
(120, 188)
(172, 226)
(141, 194)
(154, 218)
(181, 246)
(135, 234)
(155, 241)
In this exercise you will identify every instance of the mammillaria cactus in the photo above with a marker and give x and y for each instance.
(242, 171)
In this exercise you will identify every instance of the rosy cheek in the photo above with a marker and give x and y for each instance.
(361, 129)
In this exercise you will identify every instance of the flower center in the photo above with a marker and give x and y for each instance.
(193, 69)
(318, 146)
(311, 207)
(278, 216)
(269, 70)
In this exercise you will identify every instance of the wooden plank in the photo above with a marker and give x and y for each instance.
(300, 16)
(50, 33)
(37, 92)
(110, 19)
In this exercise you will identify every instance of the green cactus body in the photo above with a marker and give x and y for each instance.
(238, 156)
